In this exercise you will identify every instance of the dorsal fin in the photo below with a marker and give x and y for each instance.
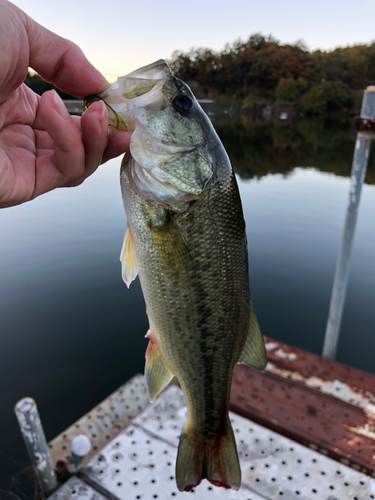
(254, 352)
(128, 258)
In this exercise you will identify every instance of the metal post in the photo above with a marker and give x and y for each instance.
(81, 445)
(36, 444)
(360, 160)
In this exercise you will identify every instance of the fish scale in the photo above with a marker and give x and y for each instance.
(186, 239)
(202, 339)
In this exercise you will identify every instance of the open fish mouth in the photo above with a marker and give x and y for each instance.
(157, 70)
(138, 89)
(169, 162)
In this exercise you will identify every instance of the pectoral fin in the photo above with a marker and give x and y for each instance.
(129, 265)
(254, 352)
(157, 373)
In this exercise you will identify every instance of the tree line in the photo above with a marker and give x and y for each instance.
(262, 70)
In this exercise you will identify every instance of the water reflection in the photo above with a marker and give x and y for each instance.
(71, 332)
(260, 147)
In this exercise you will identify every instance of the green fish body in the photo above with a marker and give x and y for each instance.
(186, 239)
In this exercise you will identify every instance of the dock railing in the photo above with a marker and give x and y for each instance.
(365, 125)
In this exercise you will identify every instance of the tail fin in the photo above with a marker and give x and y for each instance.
(215, 460)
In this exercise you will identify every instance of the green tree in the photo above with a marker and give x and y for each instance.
(327, 97)
(337, 95)
(287, 90)
(265, 69)
(313, 102)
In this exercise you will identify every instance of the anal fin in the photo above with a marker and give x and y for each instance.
(157, 373)
(129, 264)
(254, 352)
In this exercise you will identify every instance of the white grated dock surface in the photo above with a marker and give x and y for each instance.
(76, 489)
(139, 464)
(104, 422)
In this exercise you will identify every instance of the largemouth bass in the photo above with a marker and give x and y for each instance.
(186, 240)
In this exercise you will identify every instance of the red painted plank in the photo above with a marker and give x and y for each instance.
(316, 401)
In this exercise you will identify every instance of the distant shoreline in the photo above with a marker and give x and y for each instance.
(75, 106)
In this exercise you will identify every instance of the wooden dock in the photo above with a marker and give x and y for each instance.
(304, 429)
(318, 402)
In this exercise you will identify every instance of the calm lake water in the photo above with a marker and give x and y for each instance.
(71, 332)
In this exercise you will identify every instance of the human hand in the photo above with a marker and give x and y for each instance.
(41, 146)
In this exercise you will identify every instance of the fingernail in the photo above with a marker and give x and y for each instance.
(100, 109)
(60, 106)
(104, 111)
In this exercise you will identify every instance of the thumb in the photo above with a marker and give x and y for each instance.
(60, 61)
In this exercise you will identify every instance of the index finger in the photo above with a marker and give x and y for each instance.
(118, 143)
(60, 61)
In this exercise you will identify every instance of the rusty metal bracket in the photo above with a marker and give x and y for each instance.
(364, 124)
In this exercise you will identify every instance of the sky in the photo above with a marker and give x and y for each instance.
(119, 36)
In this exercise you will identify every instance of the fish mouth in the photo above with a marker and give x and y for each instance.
(139, 89)
(142, 81)
(132, 96)
(168, 165)
(157, 70)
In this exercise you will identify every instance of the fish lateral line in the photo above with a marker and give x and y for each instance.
(185, 212)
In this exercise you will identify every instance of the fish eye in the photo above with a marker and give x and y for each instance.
(182, 103)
